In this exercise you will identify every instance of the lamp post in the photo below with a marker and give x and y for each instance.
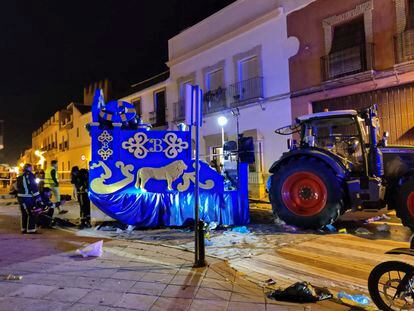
(222, 121)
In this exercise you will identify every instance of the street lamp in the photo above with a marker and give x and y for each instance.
(222, 121)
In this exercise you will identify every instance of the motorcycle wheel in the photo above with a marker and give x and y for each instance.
(383, 282)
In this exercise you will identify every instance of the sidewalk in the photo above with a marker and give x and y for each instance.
(129, 276)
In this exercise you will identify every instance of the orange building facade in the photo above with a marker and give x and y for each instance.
(353, 54)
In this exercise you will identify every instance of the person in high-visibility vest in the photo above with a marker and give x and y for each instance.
(52, 182)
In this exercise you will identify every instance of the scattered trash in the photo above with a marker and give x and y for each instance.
(270, 282)
(301, 292)
(384, 228)
(107, 228)
(130, 228)
(289, 228)
(118, 230)
(330, 228)
(12, 277)
(342, 230)
(208, 242)
(242, 229)
(184, 230)
(63, 222)
(353, 300)
(207, 235)
(377, 218)
(363, 231)
(212, 226)
(284, 227)
(91, 250)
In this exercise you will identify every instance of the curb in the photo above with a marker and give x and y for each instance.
(6, 196)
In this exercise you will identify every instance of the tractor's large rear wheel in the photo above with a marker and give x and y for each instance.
(305, 192)
(404, 206)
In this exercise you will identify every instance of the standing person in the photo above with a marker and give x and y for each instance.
(28, 197)
(52, 182)
(73, 174)
(82, 188)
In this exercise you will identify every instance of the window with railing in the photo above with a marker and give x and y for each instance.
(349, 54)
(215, 95)
(246, 91)
(179, 110)
(404, 41)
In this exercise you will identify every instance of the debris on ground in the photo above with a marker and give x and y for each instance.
(242, 229)
(363, 231)
(91, 250)
(270, 282)
(301, 292)
(118, 230)
(12, 277)
(282, 226)
(353, 300)
(342, 230)
(208, 242)
(330, 228)
(130, 228)
(113, 226)
(63, 222)
(377, 218)
(107, 228)
(384, 228)
(212, 226)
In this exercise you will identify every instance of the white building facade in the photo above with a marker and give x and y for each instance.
(239, 56)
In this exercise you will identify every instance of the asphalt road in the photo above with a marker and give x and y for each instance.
(337, 261)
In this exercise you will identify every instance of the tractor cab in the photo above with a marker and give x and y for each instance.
(341, 133)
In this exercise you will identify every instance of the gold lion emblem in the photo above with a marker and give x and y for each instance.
(170, 173)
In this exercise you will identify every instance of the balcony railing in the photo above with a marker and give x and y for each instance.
(214, 100)
(348, 61)
(238, 94)
(404, 46)
(245, 91)
(179, 110)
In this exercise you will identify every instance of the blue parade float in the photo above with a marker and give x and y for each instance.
(145, 177)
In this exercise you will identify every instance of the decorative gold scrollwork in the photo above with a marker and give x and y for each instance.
(99, 186)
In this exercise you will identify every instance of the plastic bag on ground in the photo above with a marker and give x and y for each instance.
(330, 228)
(377, 218)
(383, 228)
(356, 300)
(212, 226)
(12, 277)
(242, 229)
(91, 250)
(363, 231)
(301, 292)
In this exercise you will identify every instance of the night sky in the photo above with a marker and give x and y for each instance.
(51, 49)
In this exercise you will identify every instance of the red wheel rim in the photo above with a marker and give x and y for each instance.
(410, 203)
(305, 194)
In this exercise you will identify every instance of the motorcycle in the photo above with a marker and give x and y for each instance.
(391, 283)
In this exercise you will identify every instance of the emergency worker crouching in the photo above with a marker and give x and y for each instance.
(45, 219)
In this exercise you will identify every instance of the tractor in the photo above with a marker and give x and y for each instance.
(340, 163)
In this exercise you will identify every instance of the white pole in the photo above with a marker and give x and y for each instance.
(222, 146)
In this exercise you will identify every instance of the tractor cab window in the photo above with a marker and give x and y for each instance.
(340, 135)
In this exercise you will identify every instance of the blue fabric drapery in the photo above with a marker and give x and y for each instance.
(172, 209)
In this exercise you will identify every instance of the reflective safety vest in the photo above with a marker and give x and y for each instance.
(49, 182)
